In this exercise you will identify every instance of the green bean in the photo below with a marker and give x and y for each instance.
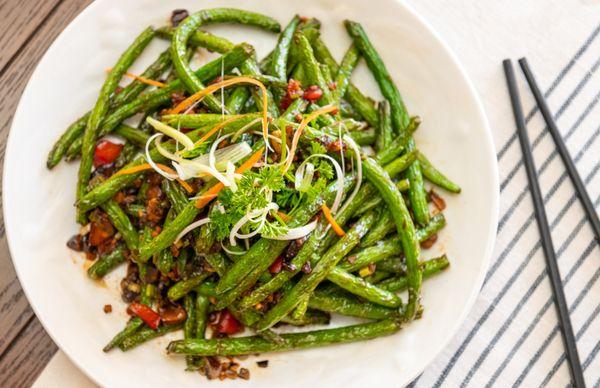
(156, 98)
(146, 334)
(107, 262)
(132, 326)
(429, 268)
(384, 225)
(189, 326)
(310, 281)
(250, 68)
(254, 344)
(121, 221)
(322, 120)
(191, 24)
(342, 80)
(416, 191)
(402, 186)
(126, 155)
(372, 254)
(384, 130)
(349, 305)
(358, 286)
(435, 176)
(313, 317)
(73, 132)
(183, 287)
(135, 210)
(237, 99)
(164, 259)
(386, 85)
(406, 229)
(218, 262)
(175, 194)
(312, 72)
(135, 87)
(202, 306)
(91, 133)
(207, 119)
(132, 135)
(398, 144)
(362, 104)
(244, 273)
(300, 309)
(205, 242)
(199, 38)
(298, 106)
(378, 276)
(279, 58)
(364, 137)
(392, 265)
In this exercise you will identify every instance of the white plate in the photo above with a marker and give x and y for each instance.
(39, 215)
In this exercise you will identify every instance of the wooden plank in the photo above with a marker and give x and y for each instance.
(15, 312)
(25, 348)
(19, 19)
(26, 357)
(14, 78)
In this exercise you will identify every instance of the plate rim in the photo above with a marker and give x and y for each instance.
(494, 202)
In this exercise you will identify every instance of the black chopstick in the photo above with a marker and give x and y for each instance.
(542, 221)
(562, 149)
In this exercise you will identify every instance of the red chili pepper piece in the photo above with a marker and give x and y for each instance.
(146, 314)
(228, 324)
(276, 266)
(294, 91)
(106, 152)
(313, 93)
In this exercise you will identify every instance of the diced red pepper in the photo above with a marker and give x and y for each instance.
(313, 93)
(106, 152)
(294, 91)
(276, 266)
(228, 324)
(146, 314)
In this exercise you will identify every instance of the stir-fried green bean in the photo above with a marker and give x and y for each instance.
(92, 129)
(311, 339)
(406, 230)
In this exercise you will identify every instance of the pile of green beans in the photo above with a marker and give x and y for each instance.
(355, 259)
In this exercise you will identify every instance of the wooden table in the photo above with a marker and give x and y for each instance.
(27, 28)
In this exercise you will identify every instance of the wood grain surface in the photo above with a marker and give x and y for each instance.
(27, 28)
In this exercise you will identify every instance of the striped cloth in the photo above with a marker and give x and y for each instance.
(511, 337)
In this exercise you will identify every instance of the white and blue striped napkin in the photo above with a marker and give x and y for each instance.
(511, 337)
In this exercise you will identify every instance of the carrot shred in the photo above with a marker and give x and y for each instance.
(284, 216)
(146, 166)
(228, 82)
(300, 129)
(212, 131)
(144, 80)
(334, 225)
(212, 193)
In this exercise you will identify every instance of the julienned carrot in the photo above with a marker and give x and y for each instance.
(212, 193)
(145, 80)
(146, 166)
(334, 225)
(199, 95)
(208, 134)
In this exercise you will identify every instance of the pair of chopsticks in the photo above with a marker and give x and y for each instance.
(540, 212)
